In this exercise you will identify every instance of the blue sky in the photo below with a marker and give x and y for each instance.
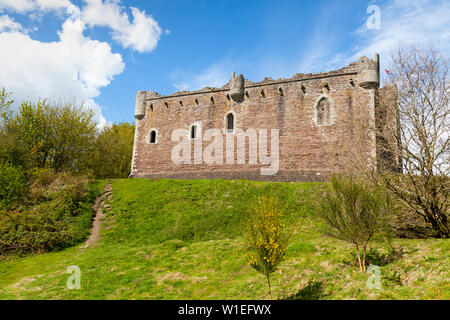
(103, 51)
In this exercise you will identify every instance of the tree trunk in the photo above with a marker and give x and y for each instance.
(359, 258)
(268, 282)
(364, 256)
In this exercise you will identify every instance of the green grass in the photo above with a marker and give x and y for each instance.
(171, 239)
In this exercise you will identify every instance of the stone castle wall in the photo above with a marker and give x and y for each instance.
(308, 150)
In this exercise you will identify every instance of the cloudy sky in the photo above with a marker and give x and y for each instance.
(101, 52)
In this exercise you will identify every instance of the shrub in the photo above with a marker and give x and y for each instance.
(13, 184)
(420, 106)
(45, 184)
(58, 215)
(355, 213)
(267, 237)
(425, 201)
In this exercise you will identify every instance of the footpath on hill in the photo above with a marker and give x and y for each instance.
(99, 216)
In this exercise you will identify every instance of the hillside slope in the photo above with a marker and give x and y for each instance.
(172, 239)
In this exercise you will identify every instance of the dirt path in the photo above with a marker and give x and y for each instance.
(99, 216)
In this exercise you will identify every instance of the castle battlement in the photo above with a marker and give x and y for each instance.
(366, 72)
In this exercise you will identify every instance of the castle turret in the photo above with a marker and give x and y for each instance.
(139, 111)
(369, 72)
(237, 87)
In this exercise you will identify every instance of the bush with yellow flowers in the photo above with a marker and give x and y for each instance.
(267, 236)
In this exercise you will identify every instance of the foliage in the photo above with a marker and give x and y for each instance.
(12, 150)
(421, 104)
(57, 137)
(63, 137)
(13, 184)
(355, 213)
(267, 236)
(112, 152)
(5, 104)
(56, 214)
(41, 135)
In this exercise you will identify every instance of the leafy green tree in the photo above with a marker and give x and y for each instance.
(113, 151)
(57, 137)
(63, 137)
(5, 104)
(73, 133)
(12, 150)
(267, 237)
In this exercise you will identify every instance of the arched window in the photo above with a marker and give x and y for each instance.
(323, 112)
(230, 122)
(153, 136)
(193, 131)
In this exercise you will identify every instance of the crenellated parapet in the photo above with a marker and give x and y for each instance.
(365, 73)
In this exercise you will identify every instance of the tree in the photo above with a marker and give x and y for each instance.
(63, 137)
(12, 150)
(5, 104)
(420, 77)
(113, 150)
(354, 212)
(267, 237)
(53, 136)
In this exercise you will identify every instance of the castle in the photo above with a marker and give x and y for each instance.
(303, 128)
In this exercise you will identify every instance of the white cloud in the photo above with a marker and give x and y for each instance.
(73, 67)
(8, 24)
(17, 5)
(141, 35)
(406, 22)
(23, 6)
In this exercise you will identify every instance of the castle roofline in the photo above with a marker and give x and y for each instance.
(351, 69)
(251, 84)
(365, 70)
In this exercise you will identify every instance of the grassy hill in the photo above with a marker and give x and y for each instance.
(171, 239)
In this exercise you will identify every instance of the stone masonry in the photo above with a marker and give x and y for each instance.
(320, 118)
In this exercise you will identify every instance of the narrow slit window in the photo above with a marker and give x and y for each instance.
(193, 132)
(153, 136)
(230, 122)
